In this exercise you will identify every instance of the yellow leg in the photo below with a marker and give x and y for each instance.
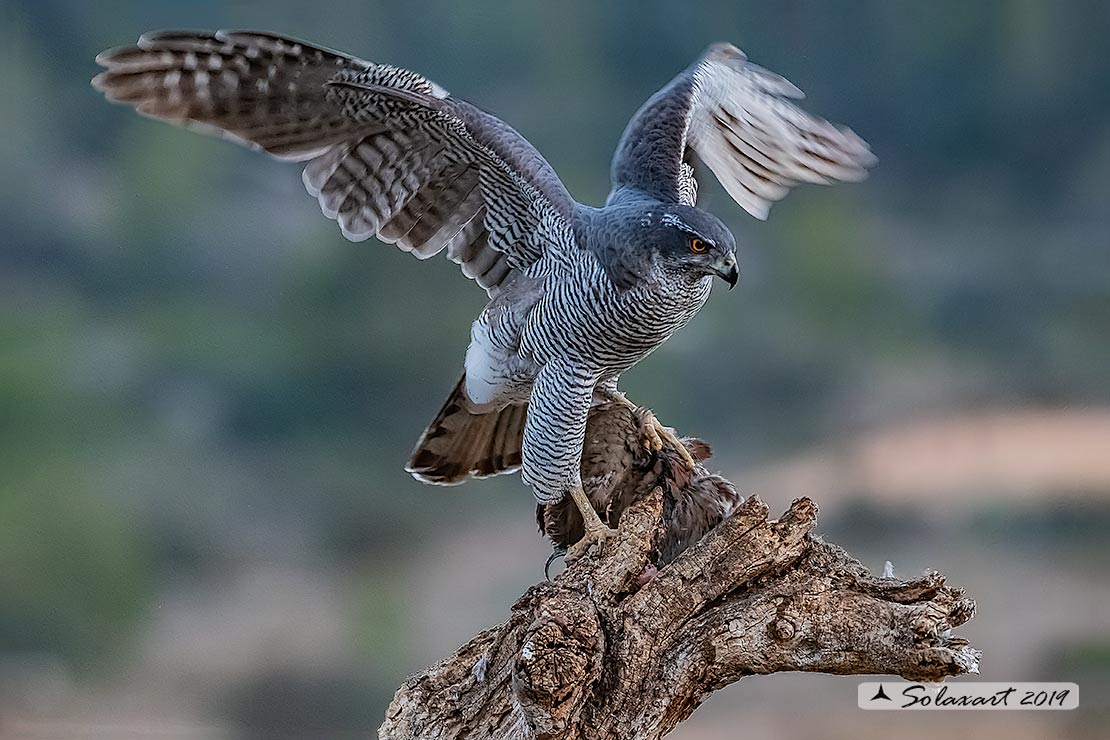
(597, 532)
(655, 435)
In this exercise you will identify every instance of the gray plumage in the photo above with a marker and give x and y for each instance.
(578, 295)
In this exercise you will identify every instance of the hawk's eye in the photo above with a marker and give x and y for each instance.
(698, 246)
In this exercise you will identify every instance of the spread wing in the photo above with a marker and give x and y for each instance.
(738, 119)
(389, 153)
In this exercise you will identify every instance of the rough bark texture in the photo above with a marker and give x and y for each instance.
(616, 648)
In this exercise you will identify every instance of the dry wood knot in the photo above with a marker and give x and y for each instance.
(783, 629)
(558, 661)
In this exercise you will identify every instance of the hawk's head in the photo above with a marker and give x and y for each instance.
(632, 239)
(691, 240)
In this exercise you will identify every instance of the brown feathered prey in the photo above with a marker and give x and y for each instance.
(622, 462)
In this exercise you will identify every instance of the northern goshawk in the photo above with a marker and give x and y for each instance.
(578, 295)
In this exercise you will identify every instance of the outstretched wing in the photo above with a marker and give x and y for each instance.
(738, 119)
(389, 153)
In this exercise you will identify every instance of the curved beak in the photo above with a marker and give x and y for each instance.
(726, 269)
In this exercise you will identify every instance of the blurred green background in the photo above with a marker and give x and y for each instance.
(207, 395)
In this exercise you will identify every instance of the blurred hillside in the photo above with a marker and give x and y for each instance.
(207, 395)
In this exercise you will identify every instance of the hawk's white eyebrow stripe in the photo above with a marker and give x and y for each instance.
(669, 219)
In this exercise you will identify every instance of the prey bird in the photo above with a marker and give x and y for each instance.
(577, 294)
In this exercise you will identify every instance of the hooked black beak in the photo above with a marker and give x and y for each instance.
(726, 269)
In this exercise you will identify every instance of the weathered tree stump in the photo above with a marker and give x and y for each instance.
(616, 648)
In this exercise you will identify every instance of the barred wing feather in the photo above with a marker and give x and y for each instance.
(388, 152)
(740, 121)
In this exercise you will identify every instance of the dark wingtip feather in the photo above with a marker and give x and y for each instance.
(108, 57)
(152, 38)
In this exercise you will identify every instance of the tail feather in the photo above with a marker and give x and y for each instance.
(459, 444)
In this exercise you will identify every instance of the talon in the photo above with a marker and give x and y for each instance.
(683, 452)
(594, 536)
(654, 435)
(651, 430)
(560, 552)
(597, 532)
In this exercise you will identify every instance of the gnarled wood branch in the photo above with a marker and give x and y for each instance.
(614, 648)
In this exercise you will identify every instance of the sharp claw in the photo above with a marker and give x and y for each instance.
(592, 537)
(560, 552)
(690, 462)
(596, 530)
(652, 440)
(656, 436)
(652, 431)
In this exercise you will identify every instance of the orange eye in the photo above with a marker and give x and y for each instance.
(698, 246)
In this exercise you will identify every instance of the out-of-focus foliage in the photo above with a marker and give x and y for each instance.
(199, 377)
